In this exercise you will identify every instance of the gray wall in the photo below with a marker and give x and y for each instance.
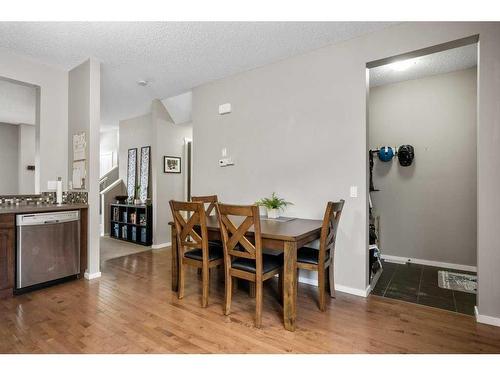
(52, 113)
(169, 141)
(156, 129)
(299, 127)
(133, 133)
(9, 157)
(427, 210)
(27, 156)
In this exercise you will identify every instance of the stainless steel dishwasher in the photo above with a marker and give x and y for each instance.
(48, 247)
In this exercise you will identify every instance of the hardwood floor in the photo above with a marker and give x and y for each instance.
(131, 309)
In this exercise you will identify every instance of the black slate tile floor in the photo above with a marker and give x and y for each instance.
(419, 284)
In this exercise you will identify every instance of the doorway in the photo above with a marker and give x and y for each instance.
(422, 151)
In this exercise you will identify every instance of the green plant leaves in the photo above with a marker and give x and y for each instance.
(274, 202)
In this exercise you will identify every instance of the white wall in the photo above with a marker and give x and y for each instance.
(53, 112)
(109, 145)
(27, 156)
(84, 116)
(9, 159)
(427, 210)
(298, 127)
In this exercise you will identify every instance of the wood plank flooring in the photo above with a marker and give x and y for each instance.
(131, 309)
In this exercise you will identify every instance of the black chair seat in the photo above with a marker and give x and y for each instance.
(215, 243)
(309, 255)
(214, 253)
(269, 263)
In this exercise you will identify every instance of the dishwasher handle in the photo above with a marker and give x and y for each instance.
(51, 222)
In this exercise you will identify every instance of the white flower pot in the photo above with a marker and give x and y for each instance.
(273, 213)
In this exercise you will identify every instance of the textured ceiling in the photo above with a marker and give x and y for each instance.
(436, 63)
(173, 56)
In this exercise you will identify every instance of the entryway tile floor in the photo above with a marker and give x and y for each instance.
(419, 284)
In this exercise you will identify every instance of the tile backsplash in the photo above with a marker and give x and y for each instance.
(48, 197)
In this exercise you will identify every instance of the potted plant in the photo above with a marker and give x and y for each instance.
(137, 200)
(274, 205)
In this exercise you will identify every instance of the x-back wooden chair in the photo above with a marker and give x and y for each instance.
(322, 260)
(193, 247)
(211, 200)
(243, 256)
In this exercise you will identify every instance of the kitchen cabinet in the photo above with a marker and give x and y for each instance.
(7, 254)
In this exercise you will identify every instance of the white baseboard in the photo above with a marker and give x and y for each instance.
(90, 276)
(403, 260)
(161, 245)
(340, 288)
(485, 319)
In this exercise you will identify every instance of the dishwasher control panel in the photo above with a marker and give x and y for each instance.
(47, 218)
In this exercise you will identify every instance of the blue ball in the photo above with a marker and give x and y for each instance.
(385, 153)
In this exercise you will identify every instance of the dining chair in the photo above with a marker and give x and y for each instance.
(243, 257)
(211, 200)
(322, 260)
(193, 247)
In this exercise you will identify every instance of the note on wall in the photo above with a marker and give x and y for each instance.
(79, 146)
(79, 174)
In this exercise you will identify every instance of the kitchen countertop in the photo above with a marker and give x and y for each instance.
(35, 208)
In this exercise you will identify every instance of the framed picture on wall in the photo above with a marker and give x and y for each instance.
(171, 164)
(145, 171)
(131, 172)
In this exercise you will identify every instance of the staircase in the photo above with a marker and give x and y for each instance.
(109, 187)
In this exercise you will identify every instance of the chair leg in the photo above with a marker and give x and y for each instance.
(297, 278)
(321, 288)
(280, 285)
(205, 286)
(182, 271)
(228, 293)
(251, 289)
(331, 273)
(258, 304)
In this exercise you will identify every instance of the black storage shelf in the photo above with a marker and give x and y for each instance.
(132, 223)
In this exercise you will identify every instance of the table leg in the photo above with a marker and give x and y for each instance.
(290, 286)
(175, 263)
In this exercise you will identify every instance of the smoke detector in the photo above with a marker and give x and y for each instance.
(143, 82)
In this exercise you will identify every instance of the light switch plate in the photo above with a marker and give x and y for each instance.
(225, 108)
(354, 191)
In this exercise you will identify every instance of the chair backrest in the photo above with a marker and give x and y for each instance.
(186, 216)
(234, 242)
(211, 200)
(329, 228)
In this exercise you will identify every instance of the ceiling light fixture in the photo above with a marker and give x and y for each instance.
(399, 66)
(142, 82)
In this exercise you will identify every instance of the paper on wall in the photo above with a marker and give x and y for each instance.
(79, 146)
(79, 174)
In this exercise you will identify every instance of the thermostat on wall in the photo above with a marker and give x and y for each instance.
(225, 162)
(225, 109)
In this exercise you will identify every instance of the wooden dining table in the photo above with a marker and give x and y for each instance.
(284, 235)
